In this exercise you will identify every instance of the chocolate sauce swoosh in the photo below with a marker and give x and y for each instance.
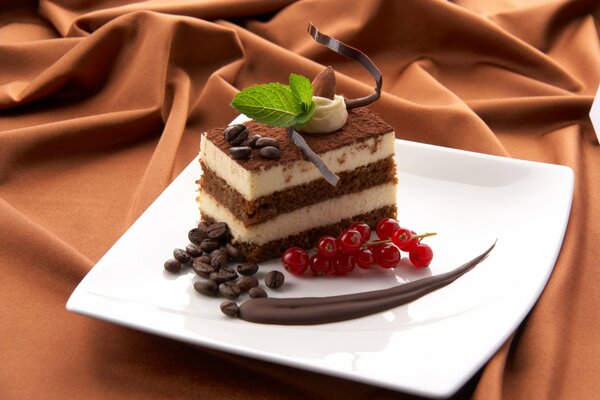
(321, 310)
(353, 54)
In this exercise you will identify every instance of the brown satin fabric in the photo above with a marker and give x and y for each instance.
(101, 106)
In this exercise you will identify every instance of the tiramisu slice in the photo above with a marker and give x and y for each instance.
(272, 204)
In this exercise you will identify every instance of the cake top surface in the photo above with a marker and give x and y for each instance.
(361, 125)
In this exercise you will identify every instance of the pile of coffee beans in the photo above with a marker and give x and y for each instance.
(242, 144)
(211, 255)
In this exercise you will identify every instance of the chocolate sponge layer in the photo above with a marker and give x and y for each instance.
(309, 238)
(266, 207)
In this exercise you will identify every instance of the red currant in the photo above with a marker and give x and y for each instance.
(364, 229)
(387, 255)
(295, 260)
(421, 255)
(413, 242)
(319, 264)
(350, 241)
(327, 246)
(364, 258)
(343, 263)
(402, 238)
(386, 227)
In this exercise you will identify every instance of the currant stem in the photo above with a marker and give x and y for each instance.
(424, 235)
(380, 242)
(377, 242)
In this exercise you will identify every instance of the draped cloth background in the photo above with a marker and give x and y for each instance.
(102, 104)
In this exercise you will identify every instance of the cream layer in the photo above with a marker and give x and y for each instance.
(323, 213)
(254, 184)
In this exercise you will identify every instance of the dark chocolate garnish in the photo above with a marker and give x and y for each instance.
(353, 54)
(320, 310)
(365, 61)
(299, 141)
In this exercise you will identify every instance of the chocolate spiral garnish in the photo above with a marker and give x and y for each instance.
(353, 54)
(365, 61)
(313, 157)
(320, 310)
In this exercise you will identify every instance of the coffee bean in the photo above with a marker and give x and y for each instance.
(203, 269)
(208, 288)
(266, 141)
(229, 290)
(247, 269)
(246, 283)
(209, 245)
(203, 226)
(222, 276)
(217, 230)
(234, 252)
(172, 265)
(231, 282)
(240, 139)
(269, 153)
(219, 261)
(193, 250)
(252, 140)
(227, 268)
(229, 308)
(181, 256)
(235, 134)
(257, 292)
(240, 152)
(217, 252)
(196, 236)
(204, 259)
(274, 279)
(222, 255)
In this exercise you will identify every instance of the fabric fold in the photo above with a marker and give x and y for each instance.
(102, 105)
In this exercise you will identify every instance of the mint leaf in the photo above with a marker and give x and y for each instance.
(276, 104)
(301, 90)
(271, 104)
(304, 117)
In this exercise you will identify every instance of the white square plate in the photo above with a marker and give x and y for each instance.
(430, 347)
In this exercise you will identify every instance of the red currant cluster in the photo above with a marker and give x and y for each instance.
(352, 248)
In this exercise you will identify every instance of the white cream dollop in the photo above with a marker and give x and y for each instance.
(329, 116)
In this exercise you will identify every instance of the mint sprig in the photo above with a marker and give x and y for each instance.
(276, 104)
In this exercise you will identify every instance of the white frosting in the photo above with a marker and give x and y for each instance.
(324, 213)
(329, 116)
(255, 184)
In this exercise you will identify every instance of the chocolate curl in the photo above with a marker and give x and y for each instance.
(365, 61)
(299, 141)
(353, 54)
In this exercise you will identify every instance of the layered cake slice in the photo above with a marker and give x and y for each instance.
(309, 164)
(271, 204)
